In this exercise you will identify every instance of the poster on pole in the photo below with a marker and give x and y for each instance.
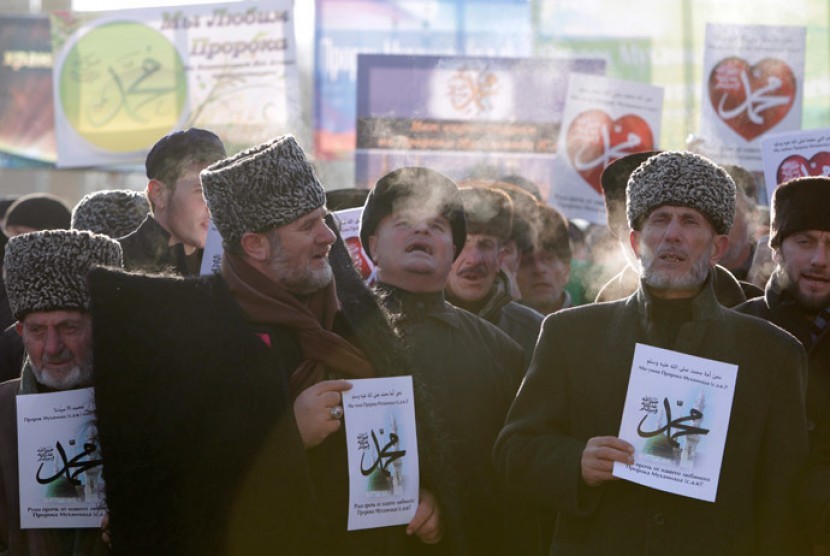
(605, 119)
(467, 117)
(382, 445)
(753, 84)
(676, 416)
(795, 155)
(59, 458)
(414, 27)
(124, 79)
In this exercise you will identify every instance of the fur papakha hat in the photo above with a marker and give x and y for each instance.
(46, 271)
(489, 211)
(614, 180)
(418, 188)
(798, 205)
(682, 179)
(112, 212)
(261, 188)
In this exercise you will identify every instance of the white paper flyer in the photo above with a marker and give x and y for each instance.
(382, 445)
(212, 255)
(59, 459)
(794, 155)
(605, 119)
(676, 416)
(753, 83)
(349, 220)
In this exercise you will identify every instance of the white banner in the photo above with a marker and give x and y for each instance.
(753, 83)
(605, 119)
(124, 79)
(794, 155)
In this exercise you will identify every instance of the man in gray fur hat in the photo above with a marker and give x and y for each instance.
(560, 440)
(46, 280)
(250, 363)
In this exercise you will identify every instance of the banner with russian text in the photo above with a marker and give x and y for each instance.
(753, 84)
(27, 123)
(124, 79)
(467, 117)
(418, 27)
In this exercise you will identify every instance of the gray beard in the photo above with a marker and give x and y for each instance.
(78, 376)
(659, 281)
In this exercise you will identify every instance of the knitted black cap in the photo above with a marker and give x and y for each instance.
(198, 144)
(798, 205)
(417, 187)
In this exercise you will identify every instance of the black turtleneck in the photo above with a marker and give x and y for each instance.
(669, 315)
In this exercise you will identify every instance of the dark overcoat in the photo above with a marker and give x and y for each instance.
(575, 390)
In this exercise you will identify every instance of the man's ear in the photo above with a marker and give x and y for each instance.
(157, 194)
(370, 249)
(776, 255)
(18, 326)
(634, 240)
(719, 244)
(256, 246)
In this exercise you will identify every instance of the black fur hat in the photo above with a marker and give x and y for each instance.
(798, 205)
(416, 187)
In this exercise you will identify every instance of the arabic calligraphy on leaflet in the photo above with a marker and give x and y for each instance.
(382, 452)
(677, 416)
(61, 484)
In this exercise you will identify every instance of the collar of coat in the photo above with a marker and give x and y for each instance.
(404, 305)
(705, 309)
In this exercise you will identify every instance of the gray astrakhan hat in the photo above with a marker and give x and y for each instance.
(115, 212)
(685, 179)
(261, 188)
(46, 271)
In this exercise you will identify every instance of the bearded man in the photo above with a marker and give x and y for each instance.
(239, 434)
(560, 440)
(797, 298)
(46, 281)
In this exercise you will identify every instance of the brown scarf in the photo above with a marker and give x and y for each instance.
(266, 303)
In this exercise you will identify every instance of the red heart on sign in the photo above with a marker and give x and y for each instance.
(594, 141)
(796, 166)
(751, 99)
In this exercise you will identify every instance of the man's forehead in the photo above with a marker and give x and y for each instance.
(54, 317)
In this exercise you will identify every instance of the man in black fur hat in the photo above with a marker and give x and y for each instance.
(797, 298)
(413, 224)
(237, 442)
(46, 280)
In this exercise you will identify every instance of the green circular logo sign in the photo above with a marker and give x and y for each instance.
(122, 86)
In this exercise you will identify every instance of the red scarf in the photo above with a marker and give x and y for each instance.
(264, 302)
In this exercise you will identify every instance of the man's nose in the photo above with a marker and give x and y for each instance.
(821, 254)
(54, 342)
(326, 235)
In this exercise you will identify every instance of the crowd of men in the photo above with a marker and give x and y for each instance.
(219, 398)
